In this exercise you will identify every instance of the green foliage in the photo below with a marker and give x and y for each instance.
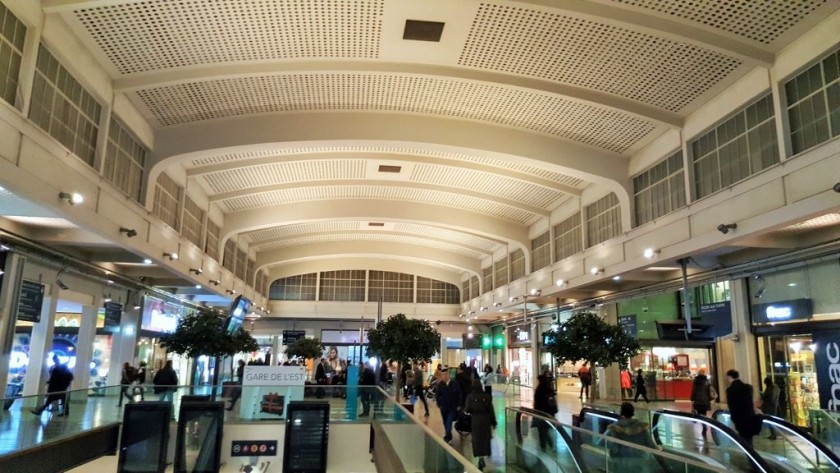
(403, 339)
(201, 333)
(307, 348)
(586, 336)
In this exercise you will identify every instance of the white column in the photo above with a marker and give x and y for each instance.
(10, 287)
(124, 344)
(276, 342)
(744, 358)
(535, 353)
(40, 345)
(84, 347)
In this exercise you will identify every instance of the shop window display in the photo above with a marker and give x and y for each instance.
(670, 371)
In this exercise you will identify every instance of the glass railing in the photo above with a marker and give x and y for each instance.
(539, 443)
(787, 447)
(87, 409)
(825, 426)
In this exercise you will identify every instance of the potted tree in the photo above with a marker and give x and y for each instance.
(585, 336)
(402, 339)
(200, 333)
(306, 348)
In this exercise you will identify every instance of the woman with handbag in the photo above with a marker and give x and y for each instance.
(702, 395)
(480, 407)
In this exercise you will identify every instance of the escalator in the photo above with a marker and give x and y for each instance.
(793, 450)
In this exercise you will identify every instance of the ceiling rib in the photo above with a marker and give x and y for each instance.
(411, 185)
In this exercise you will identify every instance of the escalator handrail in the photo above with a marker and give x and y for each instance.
(816, 443)
(598, 412)
(753, 455)
(576, 455)
(573, 447)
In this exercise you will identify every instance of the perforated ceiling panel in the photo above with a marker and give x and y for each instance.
(500, 163)
(536, 111)
(549, 45)
(379, 237)
(278, 233)
(296, 171)
(447, 199)
(164, 34)
(758, 20)
(468, 239)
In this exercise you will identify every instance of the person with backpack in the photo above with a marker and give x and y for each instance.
(57, 385)
(585, 380)
(127, 376)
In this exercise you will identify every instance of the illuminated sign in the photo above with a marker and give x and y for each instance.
(778, 313)
(782, 311)
(486, 341)
(499, 341)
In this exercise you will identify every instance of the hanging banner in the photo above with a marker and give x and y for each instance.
(628, 324)
(30, 302)
(827, 364)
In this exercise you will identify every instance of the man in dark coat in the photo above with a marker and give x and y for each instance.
(448, 398)
(367, 386)
(57, 385)
(462, 377)
(739, 397)
(480, 407)
(166, 382)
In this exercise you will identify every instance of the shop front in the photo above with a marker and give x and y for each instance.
(669, 369)
(796, 320)
(520, 356)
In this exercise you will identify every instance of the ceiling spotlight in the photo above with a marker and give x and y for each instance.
(461, 315)
(596, 270)
(71, 198)
(470, 328)
(110, 281)
(616, 278)
(171, 256)
(198, 286)
(4, 247)
(837, 187)
(472, 312)
(560, 283)
(147, 261)
(511, 299)
(231, 291)
(196, 270)
(106, 298)
(214, 282)
(137, 307)
(129, 232)
(483, 308)
(725, 227)
(497, 304)
(650, 253)
(536, 292)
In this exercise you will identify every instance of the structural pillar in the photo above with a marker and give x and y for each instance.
(535, 352)
(84, 347)
(12, 272)
(124, 345)
(738, 351)
(40, 346)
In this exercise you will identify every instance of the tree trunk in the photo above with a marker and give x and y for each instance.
(217, 366)
(399, 378)
(193, 371)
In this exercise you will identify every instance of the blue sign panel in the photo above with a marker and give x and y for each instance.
(719, 316)
(253, 448)
(827, 364)
(628, 324)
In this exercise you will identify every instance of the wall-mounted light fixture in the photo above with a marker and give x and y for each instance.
(214, 282)
(461, 315)
(4, 247)
(725, 227)
(536, 292)
(129, 232)
(497, 304)
(72, 198)
(472, 312)
(616, 278)
(59, 282)
(231, 291)
(560, 283)
(171, 256)
(197, 271)
(483, 308)
(106, 298)
(650, 253)
(147, 261)
(596, 270)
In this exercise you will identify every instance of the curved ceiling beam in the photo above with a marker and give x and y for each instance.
(395, 184)
(149, 80)
(394, 264)
(256, 245)
(380, 156)
(361, 209)
(341, 249)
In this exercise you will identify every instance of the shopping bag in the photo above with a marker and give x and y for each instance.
(497, 453)
(413, 399)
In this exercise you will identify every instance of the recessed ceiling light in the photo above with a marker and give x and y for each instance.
(616, 278)
(147, 261)
(198, 286)
(792, 284)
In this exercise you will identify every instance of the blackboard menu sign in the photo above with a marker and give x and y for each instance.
(30, 301)
(307, 432)
(291, 336)
(113, 313)
(628, 324)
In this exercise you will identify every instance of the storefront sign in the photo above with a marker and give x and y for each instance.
(291, 336)
(716, 309)
(274, 375)
(719, 316)
(782, 311)
(30, 302)
(113, 313)
(628, 324)
(827, 363)
(253, 448)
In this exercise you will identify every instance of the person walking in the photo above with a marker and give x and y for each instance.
(237, 390)
(585, 377)
(480, 407)
(631, 430)
(367, 386)
(127, 376)
(57, 385)
(418, 387)
(770, 402)
(739, 397)
(702, 395)
(166, 382)
(626, 384)
(462, 377)
(141, 380)
(545, 401)
(641, 388)
(448, 398)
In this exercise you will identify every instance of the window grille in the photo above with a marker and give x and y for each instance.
(345, 285)
(465, 290)
(211, 244)
(474, 287)
(12, 35)
(125, 161)
(249, 272)
(393, 287)
(264, 285)
(241, 258)
(432, 291)
(660, 190)
(192, 222)
(603, 220)
(517, 265)
(568, 239)
(736, 149)
(229, 258)
(813, 104)
(487, 277)
(541, 251)
(500, 273)
(167, 200)
(294, 288)
(63, 108)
